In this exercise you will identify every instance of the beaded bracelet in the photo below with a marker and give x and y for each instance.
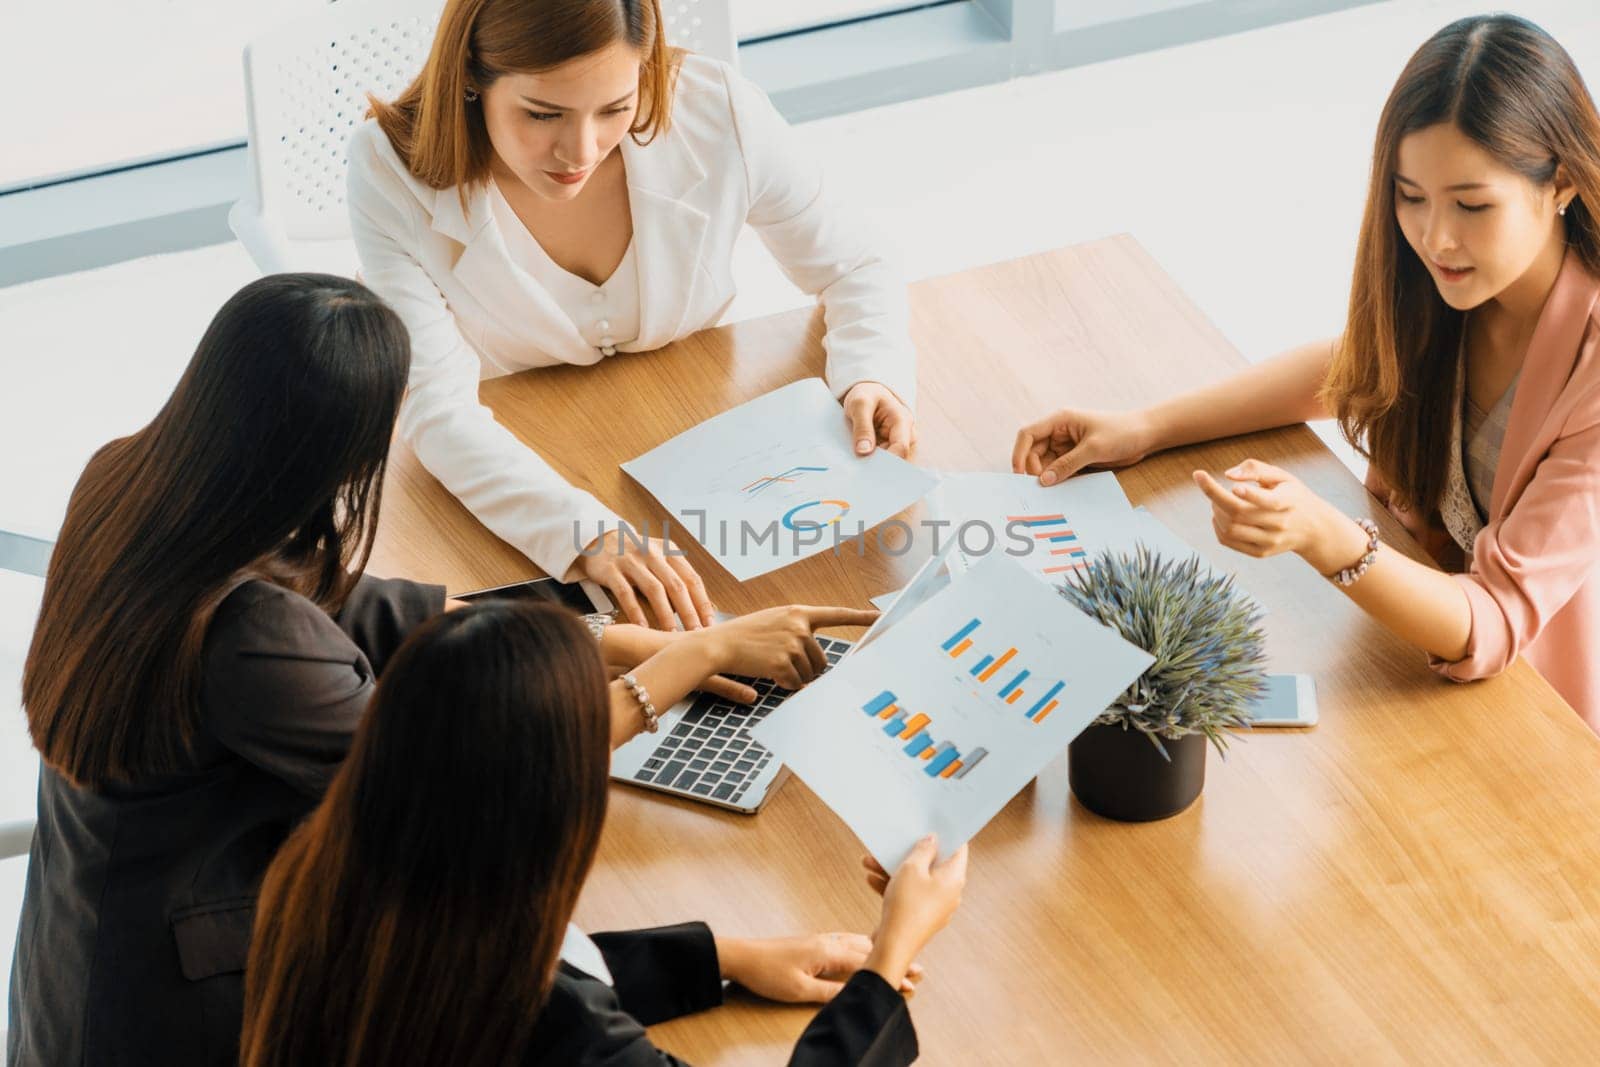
(1351, 575)
(597, 621)
(652, 721)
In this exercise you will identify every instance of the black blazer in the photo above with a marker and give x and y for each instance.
(663, 973)
(139, 900)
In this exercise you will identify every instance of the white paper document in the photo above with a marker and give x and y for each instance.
(1051, 530)
(942, 719)
(776, 480)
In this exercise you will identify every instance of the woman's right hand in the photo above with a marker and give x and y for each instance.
(1065, 442)
(777, 643)
(918, 900)
(654, 570)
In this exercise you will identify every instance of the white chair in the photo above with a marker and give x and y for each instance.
(703, 26)
(305, 88)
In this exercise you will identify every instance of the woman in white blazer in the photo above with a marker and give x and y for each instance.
(558, 186)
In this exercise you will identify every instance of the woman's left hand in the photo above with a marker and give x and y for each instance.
(1279, 514)
(879, 419)
(798, 970)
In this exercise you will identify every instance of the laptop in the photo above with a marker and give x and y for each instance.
(703, 750)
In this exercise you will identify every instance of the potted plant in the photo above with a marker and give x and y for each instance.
(1144, 757)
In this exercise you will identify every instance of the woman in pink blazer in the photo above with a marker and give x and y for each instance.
(1468, 373)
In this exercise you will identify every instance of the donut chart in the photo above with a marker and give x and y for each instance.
(789, 516)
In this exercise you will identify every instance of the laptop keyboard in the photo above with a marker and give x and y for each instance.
(709, 752)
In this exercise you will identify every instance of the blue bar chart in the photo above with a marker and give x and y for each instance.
(988, 666)
(939, 759)
(1064, 551)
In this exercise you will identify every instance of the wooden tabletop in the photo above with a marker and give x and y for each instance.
(1415, 880)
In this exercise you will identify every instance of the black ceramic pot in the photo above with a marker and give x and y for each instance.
(1119, 774)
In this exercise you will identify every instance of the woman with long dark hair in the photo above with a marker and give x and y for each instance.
(558, 186)
(1468, 373)
(407, 925)
(207, 644)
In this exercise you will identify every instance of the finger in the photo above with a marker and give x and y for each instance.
(621, 591)
(1021, 449)
(954, 867)
(922, 854)
(704, 608)
(1252, 536)
(786, 676)
(814, 653)
(859, 411)
(819, 617)
(817, 990)
(1065, 467)
(914, 970)
(1253, 470)
(677, 590)
(878, 883)
(802, 666)
(900, 433)
(1237, 537)
(858, 941)
(1264, 499)
(844, 956)
(654, 592)
(728, 689)
(873, 866)
(1220, 497)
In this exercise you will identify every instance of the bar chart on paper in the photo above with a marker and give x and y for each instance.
(936, 723)
(940, 759)
(989, 667)
(1056, 548)
(1052, 532)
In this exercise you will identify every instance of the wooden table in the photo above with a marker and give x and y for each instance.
(1417, 879)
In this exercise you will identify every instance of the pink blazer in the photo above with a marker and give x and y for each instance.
(1534, 578)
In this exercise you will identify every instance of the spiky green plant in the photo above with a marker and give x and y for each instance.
(1204, 633)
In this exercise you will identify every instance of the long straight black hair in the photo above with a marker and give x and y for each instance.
(417, 915)
(268, 458)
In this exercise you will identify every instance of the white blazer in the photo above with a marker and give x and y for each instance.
(728, 158)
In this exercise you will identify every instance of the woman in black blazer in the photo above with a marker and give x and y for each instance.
(205, 649)
(405, 925)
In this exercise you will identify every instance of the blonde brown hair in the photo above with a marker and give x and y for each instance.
(1510, 88)
(441, 135)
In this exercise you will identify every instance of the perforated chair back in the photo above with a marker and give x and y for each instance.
(703, 26)
(306, 87)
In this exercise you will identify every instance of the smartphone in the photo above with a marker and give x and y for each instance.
(1290, 700)
(582, 597)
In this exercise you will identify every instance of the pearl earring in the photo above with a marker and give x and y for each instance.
(1562, 210)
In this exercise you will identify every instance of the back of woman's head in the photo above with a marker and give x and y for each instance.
(269, 452)
(1515, 95)
(417, 915)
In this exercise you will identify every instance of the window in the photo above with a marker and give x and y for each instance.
(766, 18)
(89, 85)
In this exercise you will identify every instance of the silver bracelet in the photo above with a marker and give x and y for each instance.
(1351, 575)
(597, 622)
(652, 721)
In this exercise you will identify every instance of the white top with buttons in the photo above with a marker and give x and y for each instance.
(607, 314)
